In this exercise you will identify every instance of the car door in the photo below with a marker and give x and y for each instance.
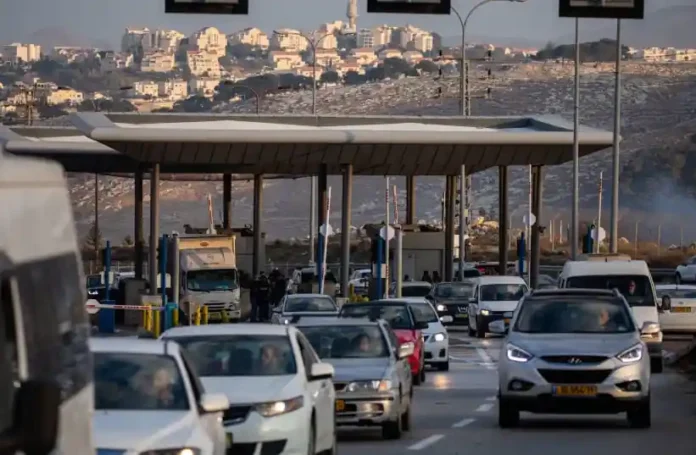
(322, 395)
(402, 366)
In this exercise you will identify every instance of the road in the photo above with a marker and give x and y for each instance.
(455, 414)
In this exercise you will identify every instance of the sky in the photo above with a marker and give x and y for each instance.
(105, 20)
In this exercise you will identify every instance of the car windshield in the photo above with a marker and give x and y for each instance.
(502, 292)
(240, 355)
(415, 290)
(298, 304)
(423, 312)
(397, 316)
(347, 342)
(212, 280)
(637, 289)
(678, 293)
(574, 315)
(453, 290)
(138, 382)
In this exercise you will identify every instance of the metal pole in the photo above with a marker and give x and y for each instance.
(462, 72)
(154, 226)
(528, 227)
(463, 218)
(96, 220)
(312, 218)
(575, 222)
(258, 229)
(345, 227)
(387, 278)
(138, 229)
(314, 76)
(399, 260)
(614, 238)
(176, 271)
(599, 213)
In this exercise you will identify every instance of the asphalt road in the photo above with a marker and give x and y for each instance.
(455, 413)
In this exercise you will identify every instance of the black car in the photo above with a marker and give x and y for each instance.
(452, 299)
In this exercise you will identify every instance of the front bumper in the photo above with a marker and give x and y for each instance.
(436, 351)
(281, 435)
(459, 313)
(232, 315)
(366, 409)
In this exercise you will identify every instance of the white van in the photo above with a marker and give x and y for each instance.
(632, 278)
(494, 298)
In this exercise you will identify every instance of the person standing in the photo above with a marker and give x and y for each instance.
(263, 295)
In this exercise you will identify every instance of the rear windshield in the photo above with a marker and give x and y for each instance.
(637, 289)
(415, 291)
(398, 316)
(296, 304)
(574, 315)
(454, 290)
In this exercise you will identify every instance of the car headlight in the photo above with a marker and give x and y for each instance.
(439, 337)
(232, 306)
(286, 321)
(174, 451)
(276, 408)
(369, 386)
(485, 312)
(92, 292)
(441, 308)
(632, 354)
(517, 354)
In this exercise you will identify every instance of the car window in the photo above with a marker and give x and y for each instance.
(414, 290)
(240, 355)
(309, 357)
(397, 315)
(393, 339)
(298, 304)
(502, 292)
(196, 384)
(637, 289)
(423, 312)
(453, 290)
(574, 315)
(139, 382)
(347, 341)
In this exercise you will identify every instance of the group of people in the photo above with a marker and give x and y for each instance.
(266, 292)
(435, 278)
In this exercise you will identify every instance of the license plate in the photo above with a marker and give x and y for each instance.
(340, 405)
(681, 309)
(462, 316)
(214, 316)
(228, 440)
(575, 390)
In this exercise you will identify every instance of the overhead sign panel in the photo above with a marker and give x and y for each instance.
(602, 9)
(409, 6)
(207, 6)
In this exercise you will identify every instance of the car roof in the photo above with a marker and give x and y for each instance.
(314, 322)
(405, 284)
(131, 345)
(407, 299)
(497, 279)
(227, 329)
(572, 292)
(594, 268)
(466, 282)
(383, 302)
(309, 295)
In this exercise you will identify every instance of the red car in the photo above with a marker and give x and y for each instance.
(402, 321)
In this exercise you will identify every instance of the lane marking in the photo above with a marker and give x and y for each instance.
(486, 358)
(485, 407)
(427, 442)
(463, 423)
(491, 398)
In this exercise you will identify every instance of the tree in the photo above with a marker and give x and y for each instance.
(353, 78)
(330, 77)
(46, 67)
(395, 67)
(128, 241)
(194, 104)
(93, 239)
(375, 74)
(50, 111)
(427, 66)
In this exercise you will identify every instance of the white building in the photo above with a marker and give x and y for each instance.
(252, 36)
(289, 40)
(18, 52)
(157, 62)
(174, 89)
(203, 86)
(203, 63)
(210, 40)
(145, 89)
(113, 61)
(132, 39)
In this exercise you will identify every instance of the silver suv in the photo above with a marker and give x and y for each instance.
(574, 351)
(372, 373)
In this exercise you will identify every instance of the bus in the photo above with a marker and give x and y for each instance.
(46, 386)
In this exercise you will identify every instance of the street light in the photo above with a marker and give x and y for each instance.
(253, 92)
(465, 100)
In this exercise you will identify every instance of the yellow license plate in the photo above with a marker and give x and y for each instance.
(462, 316)
(575, 390)
(214, 316)
(228, 440)
(681, 309)
(340, 405)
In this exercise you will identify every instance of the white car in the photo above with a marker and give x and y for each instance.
(148, 399)
(412, 289)
(494, 298)
(282, 396)
(304, 305)
(678, 305)
(360, 280)
(686, 272)
(435, 337)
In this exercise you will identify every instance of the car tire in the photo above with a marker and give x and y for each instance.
(406, 421)
(641, 416)
(444, 366)
(417, 379)
(678, 278)
(393, 429)
(312, 439)
(480, 331)
(422, 373)
(656, 365)
(508, 414)
(471, 331)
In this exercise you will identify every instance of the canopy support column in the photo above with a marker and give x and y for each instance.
(503, 241)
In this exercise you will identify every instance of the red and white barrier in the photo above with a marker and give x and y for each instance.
(93, 306)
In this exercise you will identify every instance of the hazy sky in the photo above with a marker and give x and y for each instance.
(105, 20)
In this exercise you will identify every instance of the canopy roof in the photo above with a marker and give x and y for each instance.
(299, 145)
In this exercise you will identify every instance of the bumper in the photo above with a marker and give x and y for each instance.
(414, 362)
(366, 410)
(232, 315)
(601, 404)
(459, 314)
(282, 435)
(482, 321)
(436, 352)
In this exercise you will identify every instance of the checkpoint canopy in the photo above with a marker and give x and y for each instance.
(302, 145)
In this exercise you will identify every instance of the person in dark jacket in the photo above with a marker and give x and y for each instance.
(436, 277)
(426, 277)
(278, 287)
(261, 291)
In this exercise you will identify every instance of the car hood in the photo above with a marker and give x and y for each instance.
(574, 344)
(253, 389)
(503, 305)
(310, 314)
(139, 431)
(347, 370)
(433, 328)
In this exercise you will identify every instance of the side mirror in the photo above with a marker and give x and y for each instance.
(497, 327)
(214, 402)
(420, 325)
(649, 329)
(666, 303)
(406, 350)
(36, 415)
(446, 319)
(321, 371)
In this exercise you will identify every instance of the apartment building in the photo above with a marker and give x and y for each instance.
(325, 41)
(69, 54)
(412, 57)
(364, 55)
(21, 53)
(390, 53)
(158, 62)
(327, 57)
(210, 40)
(415, 38)
(174, 89)
(423, 42)
(349, 64)
(251, 36)
(281, 60)
(167, 41)
(143, 89)
(64, 95)
(289, 40)
(309, 71)
(665, 54)
(133, 38)
(203, 86)
(112, 61)
(376, 37)
(202, 63)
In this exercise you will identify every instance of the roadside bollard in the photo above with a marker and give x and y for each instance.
(175, 316)
(225, 318)
(205, 314)
(197, 315)
(157, 325)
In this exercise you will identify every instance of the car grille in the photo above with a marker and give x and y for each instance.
(215, 306)
(339, 386)
(244, 448)
(235, 415)
(574, 376)
(574, 359)
(462, 309)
